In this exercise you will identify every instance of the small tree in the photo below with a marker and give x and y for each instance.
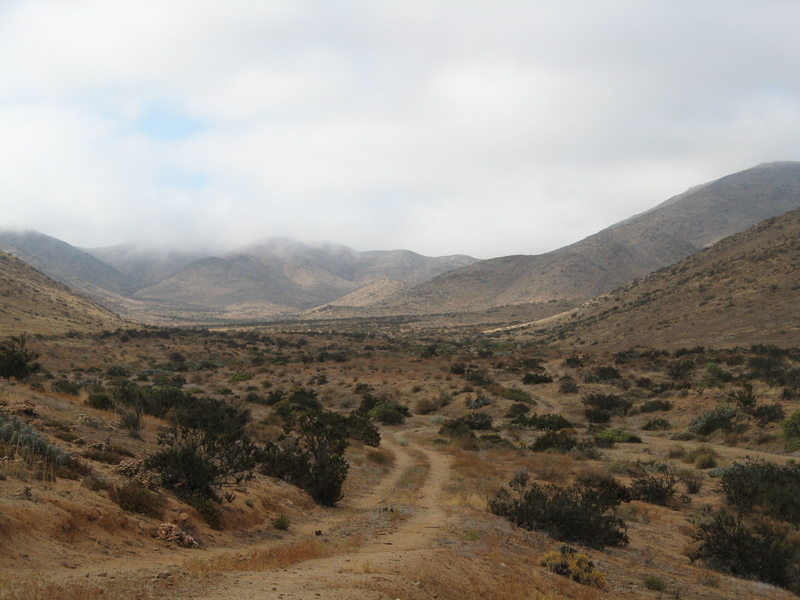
(15, 358)
(204, 448)
(310, 455)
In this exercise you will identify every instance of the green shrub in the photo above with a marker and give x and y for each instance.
(753, 549)
(657, 424)
(560, 441)
(281, 522)
(100, 401)
(790, 429)
(655, 484)
(517, 410)
(768, 413)
(651, 582)
(204, 448)
(117, 371)
(480, 421)
(601, 407)
(655, 405)
(388, 413)
(311, 455)
(568, 514)
(207, 509)
(772, 489)
(548, 422)
(15, 358)
(567, 385)
(516, 395)
(536, 378)
(718, 418)
(608, 437)
(65, 386)
(134, 497)
(131, 421)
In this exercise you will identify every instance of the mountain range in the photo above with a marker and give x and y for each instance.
(284, 278)
(744, 289)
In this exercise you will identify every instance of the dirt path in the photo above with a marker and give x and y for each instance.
(393, 531)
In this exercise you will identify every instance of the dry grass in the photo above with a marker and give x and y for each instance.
(266, 559)
(38, 588)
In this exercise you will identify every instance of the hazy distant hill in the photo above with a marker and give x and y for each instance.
(33, 303)
(276, 277)
(642, 244)
(63, 262)
(744, 289)
(143, 266)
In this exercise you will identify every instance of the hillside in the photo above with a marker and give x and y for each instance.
(743, 289)
(602, 262)
(84, 518)
(274, 278)
(33, 303)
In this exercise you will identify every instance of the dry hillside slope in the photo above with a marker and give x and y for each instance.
(600, 263)
(743, 289)
(33, 303)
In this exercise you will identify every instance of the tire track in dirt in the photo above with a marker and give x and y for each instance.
(404, 534)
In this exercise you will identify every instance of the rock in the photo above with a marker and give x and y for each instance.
(183, 517)
(250, 503)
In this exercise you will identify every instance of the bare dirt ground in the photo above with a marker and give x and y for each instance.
(395, 528)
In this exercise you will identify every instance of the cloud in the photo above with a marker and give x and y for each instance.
(439, 126)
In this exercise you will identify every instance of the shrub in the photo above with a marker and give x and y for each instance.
(601, 407)
(651, 582)
(657, 424)
(536, 378)
(608, 437)
(655, 405)
(768, 413)
(425, 406)
(744, 397)
(15, 358)
(117, 371)
(773, 489)
(517, 410)
(480, 421)
(131, 421)
(100, 401)
(720, 417)
(134, 497)
(516, 395)
(567, 385)
(205, 448)
(568, 514)
(693, 481)
(387, 413)
(568, 562)
(65, 386)
(560, 441)
(478, 402)
(311, 455)
(791, 431)
(752, 549)
(207, 509)
(597, 415)
(24, 441)
(281, 522)
(655, 484)
(478, 377)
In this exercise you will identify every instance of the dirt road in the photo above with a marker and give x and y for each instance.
(393, 531)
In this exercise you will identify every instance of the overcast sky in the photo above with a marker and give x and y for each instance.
(487, 128)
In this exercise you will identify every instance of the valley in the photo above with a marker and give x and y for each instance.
(617, 419)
